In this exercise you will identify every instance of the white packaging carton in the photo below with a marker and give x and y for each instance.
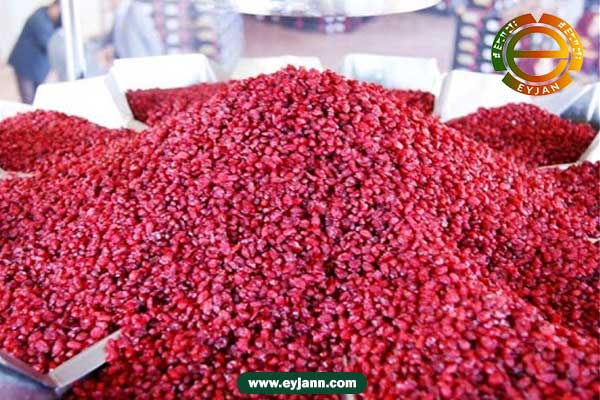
(463, 92)
(412, 73)
(162, 72)
(10, 109)
(98, 100)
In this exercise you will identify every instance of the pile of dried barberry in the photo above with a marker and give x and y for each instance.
(415, 99)
(301, 221)
(41, 139)
(151, 106)
(527, 133)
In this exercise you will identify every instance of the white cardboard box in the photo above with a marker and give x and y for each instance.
(98, 100)
(411, 73)
(9, 109)
(162, 72)
(463, 92)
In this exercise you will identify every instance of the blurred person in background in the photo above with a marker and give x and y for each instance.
(57, 54)
(95, 65)
(29, 57)
(134, 32)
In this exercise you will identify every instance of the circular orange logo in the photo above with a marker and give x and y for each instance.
(505, 53)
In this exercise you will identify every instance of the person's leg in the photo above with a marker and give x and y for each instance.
(26, 89)
(35, 88)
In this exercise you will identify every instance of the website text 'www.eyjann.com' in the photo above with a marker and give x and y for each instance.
(301, 383)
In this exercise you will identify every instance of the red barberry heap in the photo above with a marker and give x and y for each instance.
(301, 221)
(151, 106)
(418, 99)
(39, 139)
(579, 186)
(527, 133)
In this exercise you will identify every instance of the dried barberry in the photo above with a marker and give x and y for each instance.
(301, 221)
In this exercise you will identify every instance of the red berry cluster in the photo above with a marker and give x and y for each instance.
(527, 133)
(417, 99)
(151, 106)
(39, 139)
(579, 186)
(300, 221)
